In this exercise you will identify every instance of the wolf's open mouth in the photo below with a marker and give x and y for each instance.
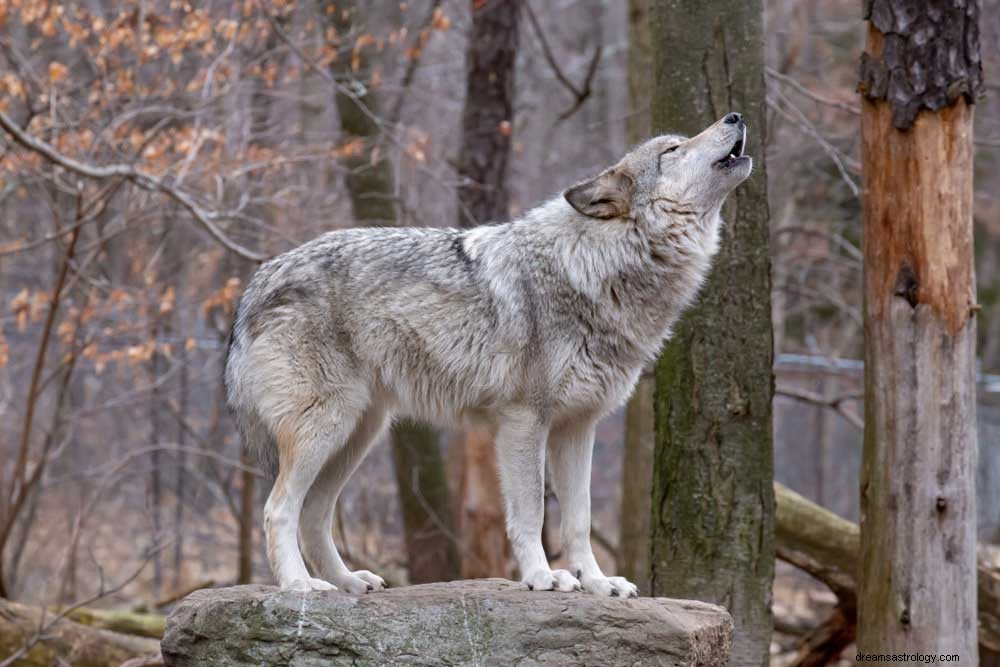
(736, 152)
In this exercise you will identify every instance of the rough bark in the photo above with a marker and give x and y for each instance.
(487, 125)
(918, 538)
(65, 642)
(713, 504)
(485, 622)
(928, 56)
(637, 455)
(827, 547)
(431, 552)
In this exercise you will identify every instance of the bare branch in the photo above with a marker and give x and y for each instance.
(206, 218)
(580, 93)
(833, 402)
(784, 78)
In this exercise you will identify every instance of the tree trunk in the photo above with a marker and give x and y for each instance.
(713, 504)
(487, 122)
(431, 551)
(918, 517)
(248, 519)
(637, 456)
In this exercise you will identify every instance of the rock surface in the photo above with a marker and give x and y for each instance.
(483, 622)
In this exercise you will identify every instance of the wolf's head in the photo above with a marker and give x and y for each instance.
(670, 172)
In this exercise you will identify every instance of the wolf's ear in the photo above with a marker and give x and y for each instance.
(607, 196)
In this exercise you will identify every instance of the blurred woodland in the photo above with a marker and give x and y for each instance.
(158, 150)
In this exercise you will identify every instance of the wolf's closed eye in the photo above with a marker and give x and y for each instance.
(671, 149)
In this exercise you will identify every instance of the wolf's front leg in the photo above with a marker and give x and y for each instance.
(520, 443)
(571, 449)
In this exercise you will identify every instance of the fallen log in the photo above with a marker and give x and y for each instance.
(826, 546)
(126, 622)
(63, 641)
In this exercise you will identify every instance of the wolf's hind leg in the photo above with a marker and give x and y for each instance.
(571, 450)
(305, 443)
(316, 525)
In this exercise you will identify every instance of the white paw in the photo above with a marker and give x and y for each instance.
(610, 587)
(361, 582)
(552, 580)
(309, 584)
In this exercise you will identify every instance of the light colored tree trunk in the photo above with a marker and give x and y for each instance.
(487, 122)
(918, 511)
(713, 504)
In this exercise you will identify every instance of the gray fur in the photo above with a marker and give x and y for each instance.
(532, 329)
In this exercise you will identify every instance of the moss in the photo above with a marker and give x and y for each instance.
(713, 504)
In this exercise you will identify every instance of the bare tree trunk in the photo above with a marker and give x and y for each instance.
(483, 197)
(918, 506)
(637, 456)
(431, 551)
(248, 518)
(713, 503)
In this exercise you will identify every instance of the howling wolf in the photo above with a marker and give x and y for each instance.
(532, 329)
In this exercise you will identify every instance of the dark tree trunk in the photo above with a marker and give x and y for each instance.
(431, 550)
(487, 123)
(488, 118)
(919, 76)
(713, 502)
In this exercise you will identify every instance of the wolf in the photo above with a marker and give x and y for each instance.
(532, 330)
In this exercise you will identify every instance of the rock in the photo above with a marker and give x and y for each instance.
(482, 622)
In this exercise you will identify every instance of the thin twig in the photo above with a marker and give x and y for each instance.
(580, 93)
(833, 402)
(784, 78)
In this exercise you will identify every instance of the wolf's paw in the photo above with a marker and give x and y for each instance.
(361, 582)
(552, 580)
(309, 584)
(610, 587)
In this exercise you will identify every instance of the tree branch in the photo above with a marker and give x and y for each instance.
(834, 402)
(206, 218)
(580, 93)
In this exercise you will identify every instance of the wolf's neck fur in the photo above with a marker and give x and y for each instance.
(641, 273)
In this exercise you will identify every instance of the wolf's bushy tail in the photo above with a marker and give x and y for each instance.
(258, 441)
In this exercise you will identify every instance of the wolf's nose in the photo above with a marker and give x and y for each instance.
(733, 118)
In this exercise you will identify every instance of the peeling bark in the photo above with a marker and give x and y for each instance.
(918, 506)
(926, 56)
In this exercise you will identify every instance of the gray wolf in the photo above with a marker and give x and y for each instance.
(533, 329)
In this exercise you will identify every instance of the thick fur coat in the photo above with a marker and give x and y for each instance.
(532, 329)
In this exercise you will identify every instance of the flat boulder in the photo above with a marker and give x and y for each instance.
(481, 622)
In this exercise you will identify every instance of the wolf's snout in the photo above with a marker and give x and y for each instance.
(733, 118)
